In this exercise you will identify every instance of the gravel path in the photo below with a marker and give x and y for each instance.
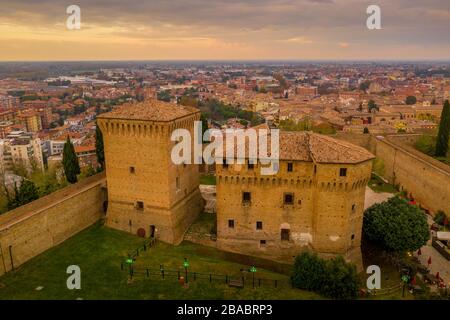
(373, 197)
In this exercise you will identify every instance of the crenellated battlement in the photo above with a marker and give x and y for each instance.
(138, 128)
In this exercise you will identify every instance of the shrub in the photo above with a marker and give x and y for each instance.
(334, 278)
(309, 271)
(341, 280)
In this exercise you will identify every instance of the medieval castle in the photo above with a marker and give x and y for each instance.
(315, 201)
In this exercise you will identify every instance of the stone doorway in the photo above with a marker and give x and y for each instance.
(152, 231)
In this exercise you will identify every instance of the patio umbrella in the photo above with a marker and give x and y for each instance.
(419, 252)
(429, 260)
(437, 275)
(413, 281)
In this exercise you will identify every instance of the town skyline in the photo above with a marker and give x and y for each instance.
(237, 30)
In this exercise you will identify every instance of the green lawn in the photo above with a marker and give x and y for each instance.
(378, 185)
(98, 251)
(208, 179)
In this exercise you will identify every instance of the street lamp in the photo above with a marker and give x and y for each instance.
(253, 270)
(186, 265)
(405, 280)
(130, 262)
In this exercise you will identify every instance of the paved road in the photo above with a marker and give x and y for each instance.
(438, 262)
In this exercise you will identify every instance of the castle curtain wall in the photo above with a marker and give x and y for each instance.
(31, 229)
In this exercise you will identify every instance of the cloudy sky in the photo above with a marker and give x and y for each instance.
(224, 29)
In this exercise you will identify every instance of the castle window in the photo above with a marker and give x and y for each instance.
(262, 243)
(343, 172)
(140, 205)
(250, 166)
(288, 198)
(132, 170)
(353, 237)
(259, 225)
(231, 224)
(246, 197)
(353, 208)
(225, 164)
(178, 183)
(290, 167)
(285, 234)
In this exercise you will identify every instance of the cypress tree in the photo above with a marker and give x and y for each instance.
(99, 147)
(444, 131)
(70, 162)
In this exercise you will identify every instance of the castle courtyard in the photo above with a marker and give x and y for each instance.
(99, 250)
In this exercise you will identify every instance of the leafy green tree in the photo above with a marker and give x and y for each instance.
(364, 85)
(444, 131)
(396, 225)
(99, 148)
(366, 130)
(164, 96)
(26, 193)
(341, 280)
(70, 162)
(372, 105)
(309, 272)
(410, 100)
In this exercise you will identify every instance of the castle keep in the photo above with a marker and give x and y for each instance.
(315, 201)
(148, 195)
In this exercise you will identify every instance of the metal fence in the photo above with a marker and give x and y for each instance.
(147, 244)
(245, 279)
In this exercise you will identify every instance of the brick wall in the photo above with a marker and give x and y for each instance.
(33, 228)
(427, 179)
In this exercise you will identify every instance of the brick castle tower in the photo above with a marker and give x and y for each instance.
(148, 194)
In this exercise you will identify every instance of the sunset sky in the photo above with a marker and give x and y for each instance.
(224, 29)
